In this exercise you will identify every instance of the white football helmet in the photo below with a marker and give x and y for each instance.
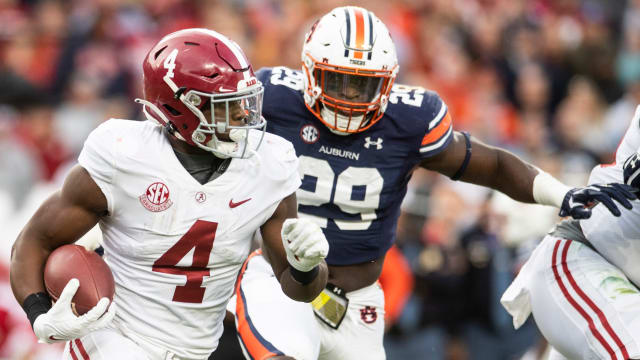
(349, 64)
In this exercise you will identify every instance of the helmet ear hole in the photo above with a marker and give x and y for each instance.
(172, 110)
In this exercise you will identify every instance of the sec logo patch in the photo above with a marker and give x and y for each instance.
(156, 198)
(309, 134)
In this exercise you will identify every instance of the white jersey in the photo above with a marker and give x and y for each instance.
(175, 246)
(617, 239)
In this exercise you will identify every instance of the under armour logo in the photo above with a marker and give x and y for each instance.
(377, 143)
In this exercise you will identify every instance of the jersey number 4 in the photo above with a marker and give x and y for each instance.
(200, 237)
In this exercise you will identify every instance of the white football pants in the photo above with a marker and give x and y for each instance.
(583, 305)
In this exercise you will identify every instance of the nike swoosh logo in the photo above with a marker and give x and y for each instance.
(225, 89)
(235, 204)
(51, 337)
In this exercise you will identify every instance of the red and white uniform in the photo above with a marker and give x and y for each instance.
(584, 301)
(175, 246)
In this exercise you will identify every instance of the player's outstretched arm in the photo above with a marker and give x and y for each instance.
(296, 249)
(62, 219)
(481, 164)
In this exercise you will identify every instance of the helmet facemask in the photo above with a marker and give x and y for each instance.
(227, 121)
(347, 99)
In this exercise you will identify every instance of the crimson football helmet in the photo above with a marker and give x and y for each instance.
(192, 73)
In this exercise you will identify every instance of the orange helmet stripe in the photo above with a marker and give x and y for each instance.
(359, 33)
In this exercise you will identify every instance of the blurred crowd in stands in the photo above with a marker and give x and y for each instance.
(555, 81)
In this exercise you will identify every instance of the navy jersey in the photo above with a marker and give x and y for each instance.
(353, 185)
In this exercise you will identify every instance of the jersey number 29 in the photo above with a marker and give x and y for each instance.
(357, 191)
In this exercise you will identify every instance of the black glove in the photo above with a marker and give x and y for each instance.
(631, 171)
(579, 201)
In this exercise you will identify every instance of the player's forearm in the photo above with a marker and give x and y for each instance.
(527, 183)
(304, 292)
(514, 177)
(28, 258)
(501, 170)
(519, 180)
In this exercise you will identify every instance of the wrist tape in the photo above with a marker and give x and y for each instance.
(35, 305)
(547, 190)
(304, 277)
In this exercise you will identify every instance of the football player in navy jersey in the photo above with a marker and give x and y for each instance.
(359, 137)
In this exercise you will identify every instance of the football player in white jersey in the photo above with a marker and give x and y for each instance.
(581, 282)
(359, 138)
(178, 199)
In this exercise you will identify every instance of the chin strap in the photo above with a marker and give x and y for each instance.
(146, 104)
(167, 124)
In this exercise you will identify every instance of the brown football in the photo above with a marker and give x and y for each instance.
(74, 261)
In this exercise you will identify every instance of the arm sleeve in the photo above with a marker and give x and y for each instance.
(98, 158)
(282, 174)
(439, 126)
(290, 164)
(630, 142)
(280, 169)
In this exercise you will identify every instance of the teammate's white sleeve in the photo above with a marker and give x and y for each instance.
(293, 181)
(630, 142)
(284, 171)
(98, 158)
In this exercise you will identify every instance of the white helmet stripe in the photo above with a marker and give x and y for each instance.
(365, 25)
(348, 35)
(370, 34)
(352, 20)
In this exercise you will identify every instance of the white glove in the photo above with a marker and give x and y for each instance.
(304, 243)
(61, 324)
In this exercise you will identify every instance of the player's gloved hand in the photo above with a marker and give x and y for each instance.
(578, 202)
(304, 243)
(631, 170)
(61, 324)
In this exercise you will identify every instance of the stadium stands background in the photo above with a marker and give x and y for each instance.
(555, 81)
